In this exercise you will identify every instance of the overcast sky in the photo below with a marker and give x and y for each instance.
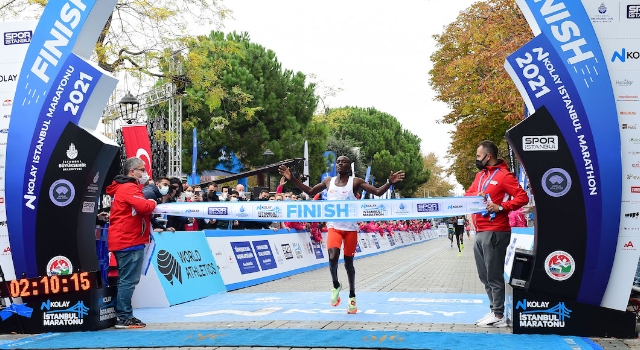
(376, 51)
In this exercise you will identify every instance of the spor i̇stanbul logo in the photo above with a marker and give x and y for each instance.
(560, 265)
(556, 182)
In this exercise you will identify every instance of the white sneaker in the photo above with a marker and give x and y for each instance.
(489, 314)
(493, 322)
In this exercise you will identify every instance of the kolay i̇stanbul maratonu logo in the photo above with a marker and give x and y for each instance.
(556, 182)
(547, 317)
(625, 55)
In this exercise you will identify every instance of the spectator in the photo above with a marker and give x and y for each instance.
(176, 223)
(212, 193)
(241, 194)
(160, 193)
(517, 218)
(128, 233)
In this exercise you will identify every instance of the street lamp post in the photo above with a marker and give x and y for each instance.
(128, 108)
(265, 155)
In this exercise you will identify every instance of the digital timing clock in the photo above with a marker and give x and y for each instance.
(50, 285)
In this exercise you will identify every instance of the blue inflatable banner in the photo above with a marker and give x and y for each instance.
(569, 31)
(303, 211)
(54, 88)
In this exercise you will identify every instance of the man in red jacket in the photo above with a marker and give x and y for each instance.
(129, 230)
(502, 193)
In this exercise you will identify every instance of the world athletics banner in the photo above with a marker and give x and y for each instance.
(365, 210)
(59, 91)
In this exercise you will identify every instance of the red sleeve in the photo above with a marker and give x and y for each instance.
(513, 189)
(279, 189)
(473, 189)
(134, 197)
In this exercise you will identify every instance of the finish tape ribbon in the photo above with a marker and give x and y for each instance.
(361, 210)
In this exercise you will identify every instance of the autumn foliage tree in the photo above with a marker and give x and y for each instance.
(437, 186)
(468, 75)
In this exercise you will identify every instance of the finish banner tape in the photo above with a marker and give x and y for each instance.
(365, 210)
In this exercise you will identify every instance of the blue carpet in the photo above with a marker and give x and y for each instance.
(296, 338)
(306, 306)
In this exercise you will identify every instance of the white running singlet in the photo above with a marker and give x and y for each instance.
(336, 193)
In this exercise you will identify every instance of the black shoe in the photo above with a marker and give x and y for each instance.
(131, 323)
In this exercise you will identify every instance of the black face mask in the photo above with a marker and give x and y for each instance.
(479, 164)
(211, 195)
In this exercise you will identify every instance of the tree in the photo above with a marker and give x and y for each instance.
(137, 32)
(468, 75)
(147, 39)
(282, 106)
(382, 139)
(351, 149)
(437, 186)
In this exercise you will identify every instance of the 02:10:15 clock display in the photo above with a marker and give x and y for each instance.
(47, 285)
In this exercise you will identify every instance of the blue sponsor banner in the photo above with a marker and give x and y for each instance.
(265, 255)
(375, 241)
(245, 257)
(31, 140)
(358, 250)
(568, 27)
(187, 264)
(317, 249)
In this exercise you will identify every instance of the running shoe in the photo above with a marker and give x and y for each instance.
(451, 244)
(353, 308)
(489, 314)
(462, 246)
(459, 254)
(335, 295)
(131, 323)
(491, 322)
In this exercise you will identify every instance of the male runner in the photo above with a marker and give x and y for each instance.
(459, 232)
(342, 187)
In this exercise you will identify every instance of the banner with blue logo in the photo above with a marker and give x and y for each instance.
(264, 254)
(569, 31)
(245, 257)
(186, 267)
(378, 209)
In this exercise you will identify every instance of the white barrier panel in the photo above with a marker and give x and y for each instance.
(305, 211)
(249, 257)
(178, 268)
(443, 231)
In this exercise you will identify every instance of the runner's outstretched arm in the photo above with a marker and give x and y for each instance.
(393, 179)
(286, 172)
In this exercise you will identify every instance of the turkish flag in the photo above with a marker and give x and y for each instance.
(136, 143)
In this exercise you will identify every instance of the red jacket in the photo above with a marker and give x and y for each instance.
(500, 188)
(129, 219)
